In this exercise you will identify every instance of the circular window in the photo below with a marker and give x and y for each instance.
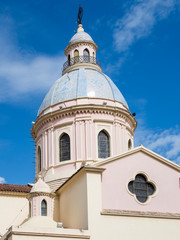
(141, 188)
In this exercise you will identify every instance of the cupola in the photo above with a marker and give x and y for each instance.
(41, 205)
(81, 52)
(41, 199)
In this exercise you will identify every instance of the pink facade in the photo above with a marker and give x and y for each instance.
(35, 203)
(118, 173)
(83, 124)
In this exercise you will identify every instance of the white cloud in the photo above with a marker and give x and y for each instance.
(139, 21)
(2, 180)
(114, 67)
(164, 142)
(23, 73)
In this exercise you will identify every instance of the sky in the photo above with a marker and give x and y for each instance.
(138, 46)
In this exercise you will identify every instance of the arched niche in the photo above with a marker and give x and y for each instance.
(129, 144)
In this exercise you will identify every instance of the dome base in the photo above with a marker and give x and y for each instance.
(82, 65)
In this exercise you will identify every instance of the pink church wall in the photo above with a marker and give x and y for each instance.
(83, 128)
(64, 168)
(74, 102)
(35, 202)
(118, 173)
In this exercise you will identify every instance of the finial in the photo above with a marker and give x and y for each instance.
(80, 14)
(80, 28)
(39, 176)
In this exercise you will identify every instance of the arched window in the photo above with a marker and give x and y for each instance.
(94, 59)
(39, 159)
(76, 56)
(129, 144)
(43, 208)
(103, 145)
(64, 147)
(86, 55)
(30, 209)
(69, 60)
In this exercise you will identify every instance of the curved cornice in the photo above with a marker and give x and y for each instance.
(37, 194)
(82, 65)
(80, 109)
(80, 43)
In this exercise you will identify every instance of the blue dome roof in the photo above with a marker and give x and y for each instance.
(81, 36)
(82, 82)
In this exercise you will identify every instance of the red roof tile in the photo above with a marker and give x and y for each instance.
(15, 188)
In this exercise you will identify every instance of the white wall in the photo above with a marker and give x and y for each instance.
(13, 211)
(73, 204)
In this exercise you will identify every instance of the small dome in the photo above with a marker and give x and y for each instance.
(81, 36)
(82, 82)
(40, 186)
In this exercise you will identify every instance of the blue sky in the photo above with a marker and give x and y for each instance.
(138, 47)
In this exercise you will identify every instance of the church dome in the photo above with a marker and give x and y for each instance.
(82, 82)
(81, 36)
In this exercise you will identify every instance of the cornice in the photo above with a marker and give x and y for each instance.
(141, 148)
(13, 194)
(37, 194)
(83, 109)
(80, 43)
(45, 234)
(114, 212)
(82, 65)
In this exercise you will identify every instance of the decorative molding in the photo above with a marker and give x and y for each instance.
(37, 194)
(43, 234)
(13, 194)
(81, 109)
(63, 124)
(82, 64)
(149, 181)
(141, 148)
(114, 212)
(103, 120)
(77, 44)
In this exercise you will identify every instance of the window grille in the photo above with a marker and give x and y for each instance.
(86, 55)
(64, 147)
(43, 208)
(141, 188)
(76, 56)
(103, 145)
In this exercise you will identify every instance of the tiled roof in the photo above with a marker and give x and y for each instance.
(82, 82)
(15, 188)
(81, 36)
